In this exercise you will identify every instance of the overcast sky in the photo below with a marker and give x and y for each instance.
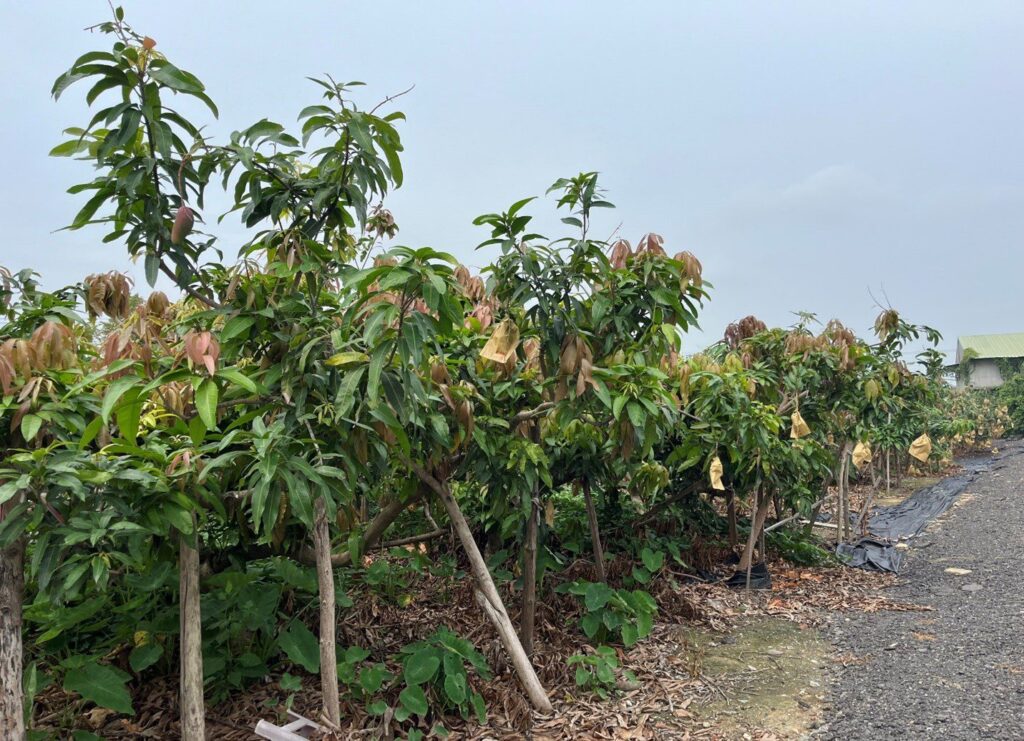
(811, 154)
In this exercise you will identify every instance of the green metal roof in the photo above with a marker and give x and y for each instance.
(1009, 345)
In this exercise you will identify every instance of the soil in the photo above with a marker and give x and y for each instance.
(769, 674)
(956, 672)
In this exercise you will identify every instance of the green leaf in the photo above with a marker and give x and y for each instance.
(455, 688)
(346, 360)
(143, 657)
(641, 575)
(179, 517)
(479, 707)
(421, 666)
(630, 634)
(8, 490)
(301, 646)
(377, 707)
(653, 560)
(414, 700)
(90, 432)
(644, 624)
(114, 392)
(372, 678)
(238, 378)
(235, 326)
(206, 402)
(176, 79)
(101, 684)
(30, 425)
(591, 624)
(597, 595)
(128, 413)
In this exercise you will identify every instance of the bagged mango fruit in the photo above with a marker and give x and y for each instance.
(921, 448)
(715, 472)
(799, 428)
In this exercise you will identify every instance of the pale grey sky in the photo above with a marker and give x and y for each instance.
(809, 153)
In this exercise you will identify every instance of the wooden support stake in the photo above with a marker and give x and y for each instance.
(193, 709)
(328, 624)
(12, 577)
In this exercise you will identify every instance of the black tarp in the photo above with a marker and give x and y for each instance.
(906, 520)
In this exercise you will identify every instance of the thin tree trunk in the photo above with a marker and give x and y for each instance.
(816, 510)
(193, 712)
(529, 608)
(888, 456)
(328, 624)
(734, 537)
(868, 501)
(12, 583)
(377, 527)
(487, 594)
(888, 480)
(843, 531)
(756, 523)
(595, 532)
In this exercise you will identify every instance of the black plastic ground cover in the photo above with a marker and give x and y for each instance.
(909, 518)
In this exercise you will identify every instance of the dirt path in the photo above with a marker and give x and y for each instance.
(957, 672)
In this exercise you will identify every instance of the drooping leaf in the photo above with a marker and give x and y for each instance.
(101, 684)
(300, 645)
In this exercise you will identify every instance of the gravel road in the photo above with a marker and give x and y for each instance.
(957, 672)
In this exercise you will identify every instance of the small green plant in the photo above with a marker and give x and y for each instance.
(435, 669)
(364, 679)
(626, 614)
(597, 672)
(797, 547)
(391, 576)
(653, 561)
(292, 685)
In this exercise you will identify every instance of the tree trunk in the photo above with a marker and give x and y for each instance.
(843, 530)
(529, 609)
(888, 479)
(328, 624)
(487, 594)
(374, 531)
(734, 537)
(12, 582)
(756, 523)
(193, 713)
(595, 533)
(816, 510)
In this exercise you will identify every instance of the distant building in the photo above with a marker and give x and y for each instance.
(977, 356)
